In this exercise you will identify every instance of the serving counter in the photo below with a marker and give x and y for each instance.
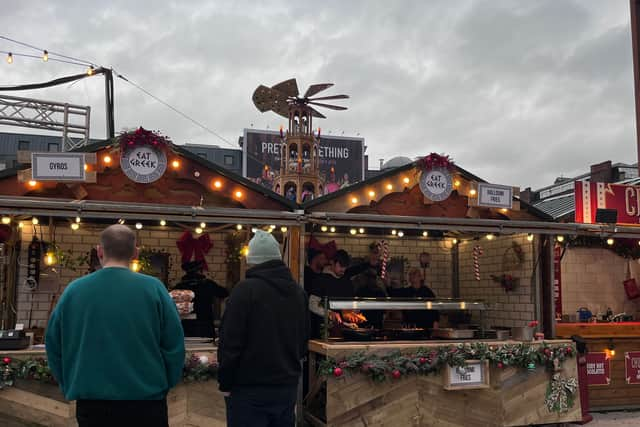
(39, 404)
(511, 396)
(613, 341)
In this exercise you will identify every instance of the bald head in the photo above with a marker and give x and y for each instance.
(118, 243)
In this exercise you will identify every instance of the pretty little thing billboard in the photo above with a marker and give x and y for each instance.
(341, 159)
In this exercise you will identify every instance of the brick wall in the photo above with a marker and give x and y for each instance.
(592, 278)
(37, 304)
(506, 309)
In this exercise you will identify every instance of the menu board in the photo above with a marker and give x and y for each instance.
(632, 367)
(598, 369)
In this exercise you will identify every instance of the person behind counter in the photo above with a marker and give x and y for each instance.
(206, 291)
(372, 262)
(331, 283)
(317, 261)
(426, 319)
(114, 341)
(263, 338)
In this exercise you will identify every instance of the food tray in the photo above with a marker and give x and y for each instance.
(449, 333)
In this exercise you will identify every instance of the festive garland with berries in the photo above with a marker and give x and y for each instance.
(424, 361)
(435, 160)
(196, 369)
(140, 137)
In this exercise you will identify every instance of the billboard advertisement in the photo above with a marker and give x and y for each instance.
(341, 159)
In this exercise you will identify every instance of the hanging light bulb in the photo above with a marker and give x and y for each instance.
(90, 70)
(456, 183)
(425, 234)
(400, 233)
(34, 221)
(610, 241)
(199, 230)
(560, 239)
(333, 229)
(283, 229)
(106, 159)
(50, 258)
(394, 232)
(361, 231)
(372, 194)
(77, 219)
(75, 226)
(32, 183)
(203, 225)
(238, 194)
(239, 227)
(175, 164)
(406, 180)
(138, 226)
(454, 241)
(121, 221)
(324, 228)
(6, 220)
(389, 187)
(490, 236)
(163, 222)
(217, 184)
(472, 192)
(354, 200)
(10, 58)
(530, 237)
(20, 224)
(135, 266)
(353, 231)
(254, 230)
(45, 56)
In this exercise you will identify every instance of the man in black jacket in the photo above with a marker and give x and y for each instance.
(263, 338)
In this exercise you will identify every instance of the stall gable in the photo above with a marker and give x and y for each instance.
(397, 192)
(188, 180)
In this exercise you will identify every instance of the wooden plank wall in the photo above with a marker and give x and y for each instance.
(516, 398)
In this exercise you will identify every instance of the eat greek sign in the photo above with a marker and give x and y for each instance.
(436, 184)
(57, 166)
(143, 164)
(495, 196)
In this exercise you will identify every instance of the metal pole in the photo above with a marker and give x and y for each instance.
(108, 95)
(636, 68)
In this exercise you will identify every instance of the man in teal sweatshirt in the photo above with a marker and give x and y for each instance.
(114, 341)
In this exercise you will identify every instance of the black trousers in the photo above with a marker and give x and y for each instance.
(262, 406)
(122, 413)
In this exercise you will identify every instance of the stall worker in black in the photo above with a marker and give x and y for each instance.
(332, 283)
(369, 285)
(317, 261)
(426, 319)
(206, 291)
(372, 262)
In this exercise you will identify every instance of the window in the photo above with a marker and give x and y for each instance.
(53, 146)
(228, 160)
(23, 145)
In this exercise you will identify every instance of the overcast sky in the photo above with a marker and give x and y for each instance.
(517, 92)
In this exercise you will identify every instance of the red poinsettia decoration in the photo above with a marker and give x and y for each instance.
(142, 136)
(435, 160)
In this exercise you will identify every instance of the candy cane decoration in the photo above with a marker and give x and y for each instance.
(477, 252)
(383, 246)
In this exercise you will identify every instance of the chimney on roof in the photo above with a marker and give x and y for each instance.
(526, 194)
(602, 172)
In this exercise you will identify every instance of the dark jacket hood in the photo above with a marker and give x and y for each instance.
(275, 273)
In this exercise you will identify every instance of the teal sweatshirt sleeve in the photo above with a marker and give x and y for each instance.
(172, 340)
(53, 345)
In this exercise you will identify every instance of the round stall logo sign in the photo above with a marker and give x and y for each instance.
(436, 184)
(143, 164)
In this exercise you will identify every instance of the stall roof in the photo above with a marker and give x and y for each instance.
(327, 202)
(284, 203)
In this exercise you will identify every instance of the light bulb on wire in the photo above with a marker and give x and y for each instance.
(9, 58)
(90, 70)
(45, 56)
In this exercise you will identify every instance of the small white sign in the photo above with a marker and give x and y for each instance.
(436, 184)
(57, 166)
(495, 196)
(469, 374)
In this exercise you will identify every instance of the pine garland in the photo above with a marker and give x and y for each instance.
(424, 361)
(196, 369)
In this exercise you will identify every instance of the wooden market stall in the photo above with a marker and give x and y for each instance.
(497, 257)
(50, 227)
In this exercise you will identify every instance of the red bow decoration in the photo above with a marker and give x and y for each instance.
(188, 247)
(329, 248)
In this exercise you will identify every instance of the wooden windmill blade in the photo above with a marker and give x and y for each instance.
(327, 98)
(265, 97)
(332, 107)
(317, 88)
(316, 113)
(289, 88)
